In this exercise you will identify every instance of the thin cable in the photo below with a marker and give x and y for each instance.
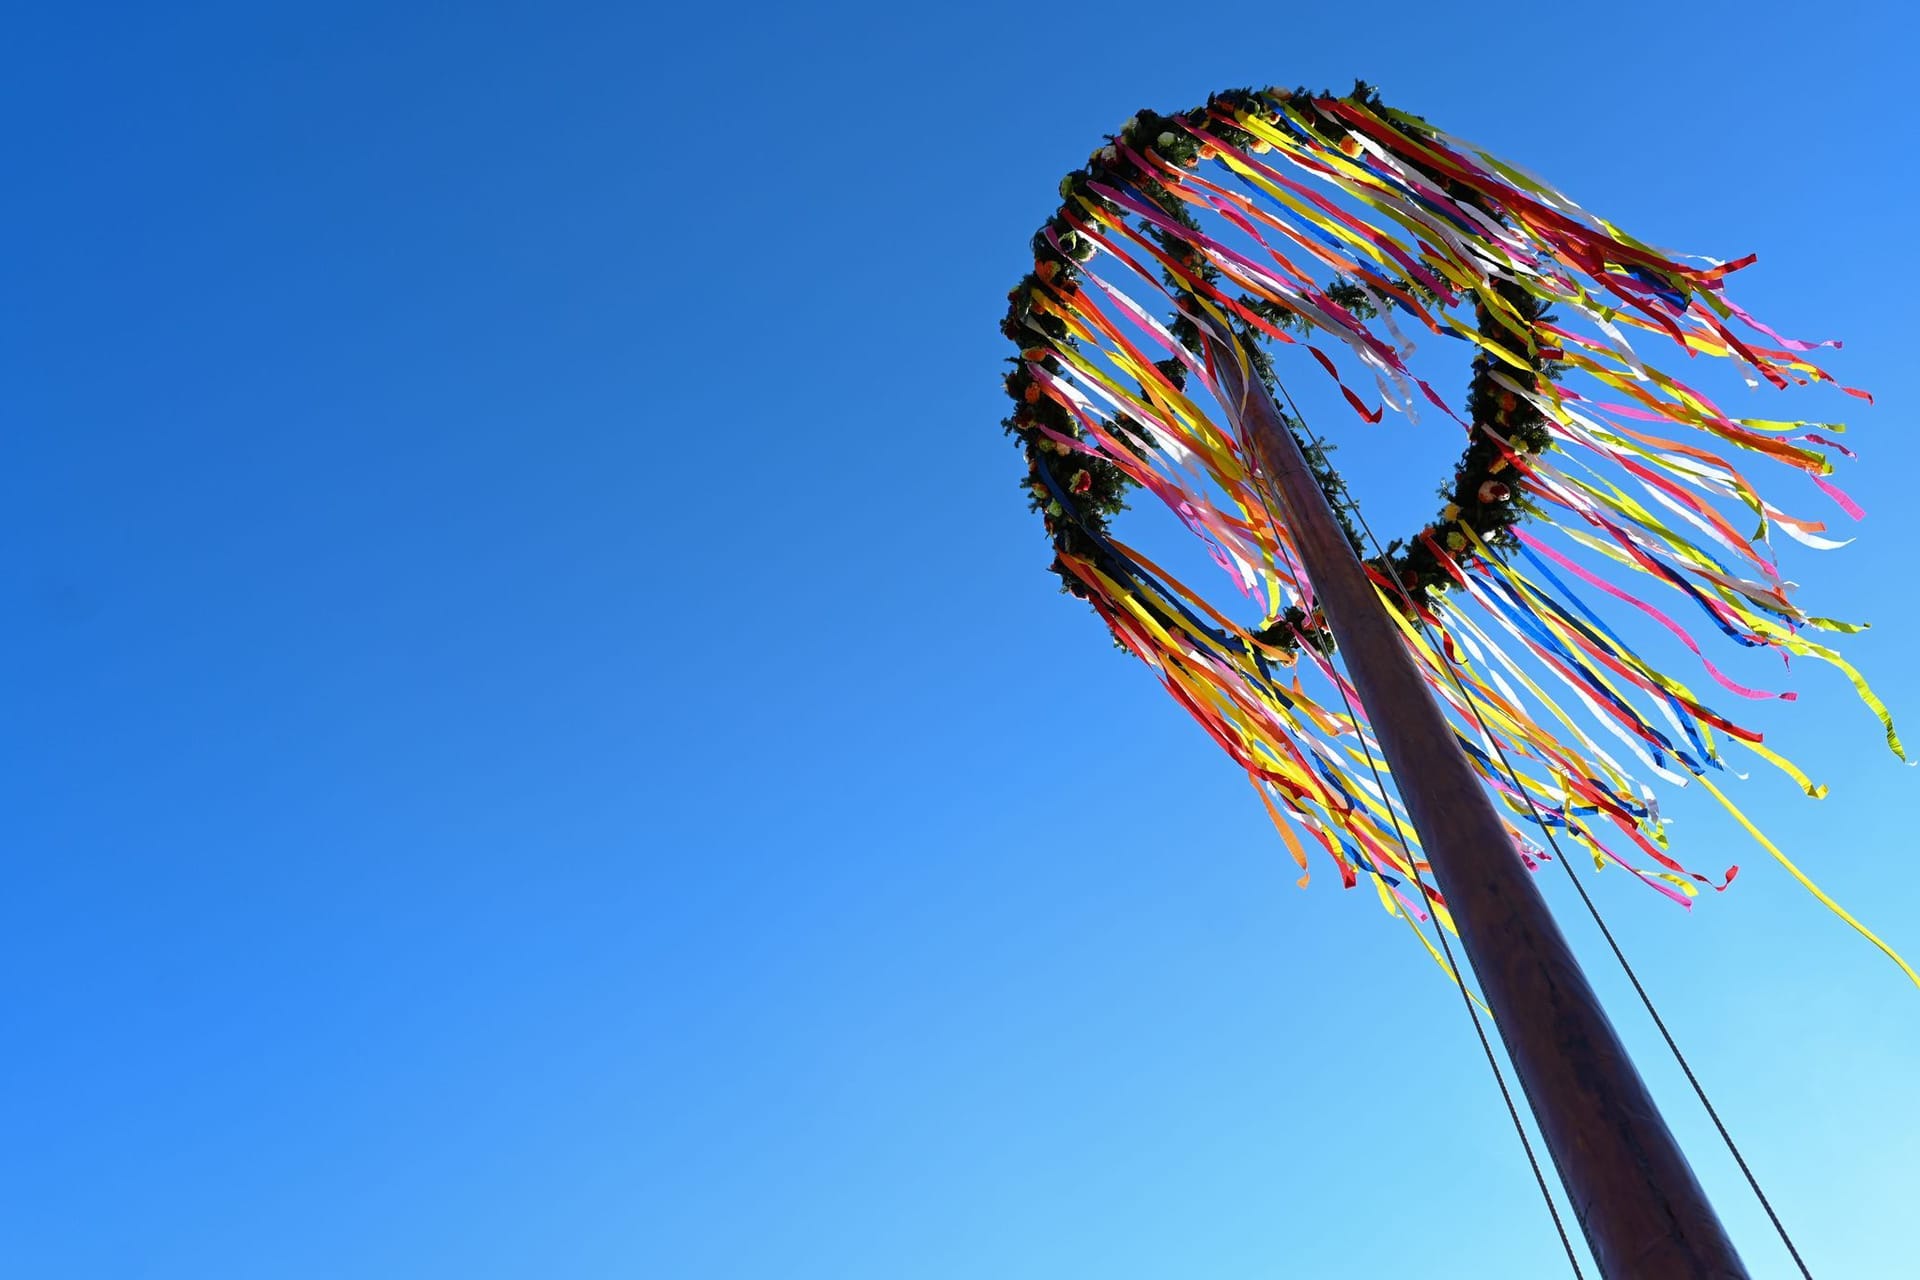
(1647, 1000)
(1453, 966)
(1473, 1015)
(1474, 710)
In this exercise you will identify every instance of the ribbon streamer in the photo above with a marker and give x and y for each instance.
(1327, 224)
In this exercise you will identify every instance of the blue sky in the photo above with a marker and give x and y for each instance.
(541, 743)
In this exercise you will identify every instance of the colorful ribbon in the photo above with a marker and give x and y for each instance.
(1228, 218)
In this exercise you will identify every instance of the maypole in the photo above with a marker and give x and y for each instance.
(1633, 1193)
(1489, 661)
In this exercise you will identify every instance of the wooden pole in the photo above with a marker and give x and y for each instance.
(1643, 1212)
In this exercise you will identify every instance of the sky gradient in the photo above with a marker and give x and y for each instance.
(541, 744)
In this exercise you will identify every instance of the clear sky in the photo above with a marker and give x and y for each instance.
(540, 744)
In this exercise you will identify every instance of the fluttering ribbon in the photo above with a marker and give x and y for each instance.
(1326, 224)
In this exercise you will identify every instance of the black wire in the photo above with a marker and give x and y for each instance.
(1647, 1000)
(1486, 1047)
(1453, 966)
(1592, 909)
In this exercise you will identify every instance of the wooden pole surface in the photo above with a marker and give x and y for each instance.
(1637, 1201)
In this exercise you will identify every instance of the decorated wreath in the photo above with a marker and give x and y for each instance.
(1479, 497)
(1293, 222)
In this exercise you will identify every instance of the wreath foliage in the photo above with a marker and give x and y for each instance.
(1077, 494)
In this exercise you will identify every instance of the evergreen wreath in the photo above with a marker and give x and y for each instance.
(1077, 493)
